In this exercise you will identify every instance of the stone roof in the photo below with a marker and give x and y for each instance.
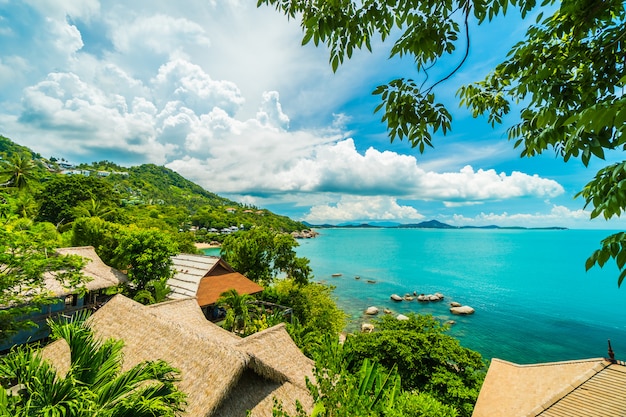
(580, 388)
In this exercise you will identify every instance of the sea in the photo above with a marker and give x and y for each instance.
(534, 302)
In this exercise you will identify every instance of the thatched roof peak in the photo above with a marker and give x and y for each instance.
(221, 373)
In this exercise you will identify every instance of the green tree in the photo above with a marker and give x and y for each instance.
(146, 255)
(95, 384)
(25, 205)
(262, 253)
(94, 208)
(25, 257)
(63, 193)
(17, 172)
(370, 391)
(99, 233)
(566, 78)
(314, 311)
(427, 359)
(239, 311)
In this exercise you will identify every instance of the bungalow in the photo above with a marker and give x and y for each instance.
(69, 300)
(578, 388)
(206, 278)
(221, 373)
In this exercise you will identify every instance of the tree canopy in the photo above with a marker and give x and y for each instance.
(26, 256)
(566, 78)
(262, 253)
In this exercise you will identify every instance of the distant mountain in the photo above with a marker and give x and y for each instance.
(430, 224)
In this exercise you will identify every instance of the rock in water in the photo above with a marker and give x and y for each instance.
(396, 297)
(372, 311)
(463, 310)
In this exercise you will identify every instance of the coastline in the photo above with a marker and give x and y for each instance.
(202, 245)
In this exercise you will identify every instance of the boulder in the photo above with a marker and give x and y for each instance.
(367, 328)
(372, 311)
(439, 295)
(463, 310)
(422, 297)
(402, 317)
(387, 311)
(451, 322)
(455, 304)
(433, 297)
(408, 298)
(396, 297)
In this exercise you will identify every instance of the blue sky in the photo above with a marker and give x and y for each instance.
(224, 94)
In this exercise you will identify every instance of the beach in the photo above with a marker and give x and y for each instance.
(202, 245)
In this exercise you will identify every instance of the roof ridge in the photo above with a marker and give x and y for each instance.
(559, 363)
(262, 333)
(572, 386)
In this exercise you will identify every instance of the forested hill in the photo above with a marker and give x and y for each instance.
(146, 195)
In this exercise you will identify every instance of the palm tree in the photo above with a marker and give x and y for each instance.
(94, 208)
(17, 172)
(239, 310)
(25, 205)
(156, 291)
(95, 384)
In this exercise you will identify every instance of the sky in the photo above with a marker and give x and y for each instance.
(223, 93)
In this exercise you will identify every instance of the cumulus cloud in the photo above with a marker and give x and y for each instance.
(362, 208)
(157, 33)
(557, 216)
(485, 185)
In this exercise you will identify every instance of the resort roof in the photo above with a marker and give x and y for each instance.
(206, 277)
(221, 373)
(99, 274)
(592, 387)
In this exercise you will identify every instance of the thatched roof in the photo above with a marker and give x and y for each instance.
(219, 371)
(592, 387)
(290, 365)
(206, 278)
(99, 275)
(190, 318)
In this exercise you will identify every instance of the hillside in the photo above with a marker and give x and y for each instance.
(147, 195)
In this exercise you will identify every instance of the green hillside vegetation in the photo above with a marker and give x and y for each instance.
(147, 195)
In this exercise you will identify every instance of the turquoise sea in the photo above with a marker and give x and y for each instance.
(534, 301)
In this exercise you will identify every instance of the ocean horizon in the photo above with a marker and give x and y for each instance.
(534, 301)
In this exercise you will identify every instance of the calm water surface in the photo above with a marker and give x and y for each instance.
(534, 301)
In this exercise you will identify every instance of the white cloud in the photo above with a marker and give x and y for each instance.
(484, 185)
(59, 9)
(557, 216)
(158, 33)
(271, 112)
(181, 80)
(362, 208)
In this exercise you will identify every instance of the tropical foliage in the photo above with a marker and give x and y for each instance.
(261, 254)
(566, 78)
(427, 359)
(94, 385)
(25, 257)
(370, 390)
